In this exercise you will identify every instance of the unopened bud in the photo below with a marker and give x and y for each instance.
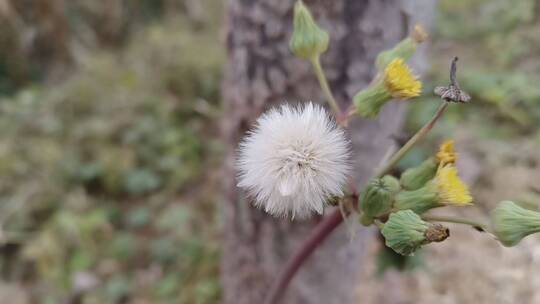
(308, 40)
(511, 223)
(415, 178)
(377, 198)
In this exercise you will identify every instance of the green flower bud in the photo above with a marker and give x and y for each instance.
(391, 183)
(405, 232)
(308, 40)
(404, 49)
(511, 223)
(377, 197)
(419, 200)
(415, 178)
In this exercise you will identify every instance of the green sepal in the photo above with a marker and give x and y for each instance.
(417, 177)
(368, 102)
(419, 200)
(404, 232)
(404, 49)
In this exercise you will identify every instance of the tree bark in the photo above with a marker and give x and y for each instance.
(261, 73)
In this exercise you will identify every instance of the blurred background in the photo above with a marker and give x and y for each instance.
(109, 149)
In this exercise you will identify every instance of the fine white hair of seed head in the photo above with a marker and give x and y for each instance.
(294, 159)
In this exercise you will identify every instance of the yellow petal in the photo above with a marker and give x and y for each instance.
(450, 188)
(399, 80)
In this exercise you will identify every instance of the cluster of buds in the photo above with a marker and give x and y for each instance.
(434, 183)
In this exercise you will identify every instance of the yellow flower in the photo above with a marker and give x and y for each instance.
(399, 80)
(446, 154)
(451, 189)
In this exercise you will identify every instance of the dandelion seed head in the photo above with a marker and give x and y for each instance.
(294, 160)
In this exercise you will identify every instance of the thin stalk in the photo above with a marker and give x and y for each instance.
(457, 220)
(316, 63)
(331, 222)
(412, 142)
(317, 236)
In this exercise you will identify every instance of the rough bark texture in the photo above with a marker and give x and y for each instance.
(261, 73)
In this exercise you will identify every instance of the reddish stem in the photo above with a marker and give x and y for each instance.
(317, 236)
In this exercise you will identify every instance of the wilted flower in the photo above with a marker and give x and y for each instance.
(397, 82)
(511, 223)
(405, 232)
(294, 160)
(419, 34)
(308, 40)
(445, 189)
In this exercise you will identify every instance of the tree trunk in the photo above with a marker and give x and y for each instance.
(262, 73)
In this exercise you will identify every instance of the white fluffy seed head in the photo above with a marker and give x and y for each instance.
(294, 160)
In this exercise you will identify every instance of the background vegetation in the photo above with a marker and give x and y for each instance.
(108, 138)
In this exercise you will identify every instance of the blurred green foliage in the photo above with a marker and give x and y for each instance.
(497, 42)
(100, 173)
(107, 132)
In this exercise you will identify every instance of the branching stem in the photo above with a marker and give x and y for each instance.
(331, 222)
(457, 220)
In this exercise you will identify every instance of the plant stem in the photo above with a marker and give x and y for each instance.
(412, 142)
(316, 237)
(457, 220)
(331, 222)
(316, 63)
